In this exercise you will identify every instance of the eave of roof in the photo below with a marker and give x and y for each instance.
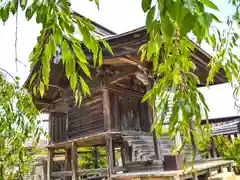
(129, 37)
(221, 119)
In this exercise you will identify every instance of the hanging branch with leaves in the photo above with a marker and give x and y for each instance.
(18, 124)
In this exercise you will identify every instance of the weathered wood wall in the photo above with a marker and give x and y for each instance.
(58, 131)
(86, 119)
(128, 113)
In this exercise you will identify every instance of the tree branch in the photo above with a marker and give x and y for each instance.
(4, 4)
(4, 70)
(16, 34)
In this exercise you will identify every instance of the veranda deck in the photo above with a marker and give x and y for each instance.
(201, 170)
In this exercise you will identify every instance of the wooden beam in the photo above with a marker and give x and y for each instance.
(74, 162)
(122, 75)
(125, 92)
(50, 163)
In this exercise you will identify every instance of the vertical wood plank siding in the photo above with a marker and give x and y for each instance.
(129, 114)
(59, 130)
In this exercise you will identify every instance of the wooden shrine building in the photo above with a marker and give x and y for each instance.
(114, 116)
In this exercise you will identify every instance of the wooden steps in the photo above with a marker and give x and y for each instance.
(143, 146)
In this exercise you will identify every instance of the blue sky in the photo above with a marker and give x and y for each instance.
(117, 15)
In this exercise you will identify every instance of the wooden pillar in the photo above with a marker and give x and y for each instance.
(96, 165)
(127, 153)
(214, 148)
(74, 162)
(123, 156)
(195, 176)
(50, 163)
(67, 163)
(107, 127)
(50, 129)
(110, 157)
(209, 153)
(157, 145)
(114, 157)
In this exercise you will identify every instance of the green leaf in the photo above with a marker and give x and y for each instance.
(5, 12)
(188, 24)
(85, 87)
(190, 5)
(201, 20)
(86, 36)
(100, 59)
(45, 74)
(73, 81)
(14, 6)
(70, 66)
(41, 88)
(41, 14)
(66, 53)
(155, 62)
(143, 54)
(52, 44)
(150, 17)
(23, 4)
(48, 52)
(215, 18)
(106, 45)
(146, 96)
(202, 99)
(32, 79)
(79, 53)
(146, 4)
(214, 43)
(29, 13)
(58, 36)
(97, 3)
(209, 4)
(168, 28)
(84, 68)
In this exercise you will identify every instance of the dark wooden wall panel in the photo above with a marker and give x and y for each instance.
(128, 113)
(86, 120)
(144, 117)
(58, 127)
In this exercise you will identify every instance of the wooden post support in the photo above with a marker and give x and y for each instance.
(209, 154)
(74, 162)
(107, 127)
(50, 129)
(123, 155)
(230, 167)
(106, 109)
(110, 157)
(96, 165)
(67, 163)
(157, 145)
(50, 163)
(195, 176)
(214, 148)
